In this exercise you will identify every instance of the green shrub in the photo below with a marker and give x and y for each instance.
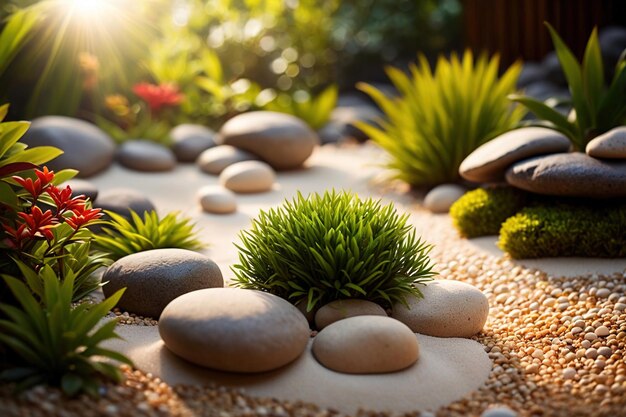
(57, 344)
(333, 246)
(598, 107)
(123, 237)
(482, 211)
(441, 117)
(543, 230)
(315, 111)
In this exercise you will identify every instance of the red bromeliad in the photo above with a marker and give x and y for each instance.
(158, 96)
(33, 222)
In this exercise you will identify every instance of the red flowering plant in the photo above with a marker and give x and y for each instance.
(150, 118)
(45, 226)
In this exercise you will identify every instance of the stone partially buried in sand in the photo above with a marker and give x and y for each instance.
(154, 278)
(215, 160)
(85, 146)
(248, 177)
(611, 145)
(281, 140)
(366, 345)
(342, 309)
(190, 140)
(216, 199)
(489, 162)
(449, 309)
(571, 175)
(143, 155)
(234, 330)
(440, 198)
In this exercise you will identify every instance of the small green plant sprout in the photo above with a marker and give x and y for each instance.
(597, 108)
(321, 248)
(121, 237)
(54, 342)
(440, 117)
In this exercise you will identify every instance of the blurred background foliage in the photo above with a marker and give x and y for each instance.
(224, 56)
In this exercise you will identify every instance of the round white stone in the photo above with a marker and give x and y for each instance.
(440, 198)
(449, 309)
(216, 199)
(366, 345)
(248, 177)
(234, 330)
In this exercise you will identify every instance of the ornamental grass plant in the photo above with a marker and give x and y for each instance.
(440, 117)
(321, 248)
(598, 106)
(121, 236)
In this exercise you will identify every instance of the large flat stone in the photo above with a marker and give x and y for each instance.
(489, 162)
(571, 175)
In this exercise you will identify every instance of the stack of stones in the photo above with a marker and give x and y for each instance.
(540, 160)
(239, 330)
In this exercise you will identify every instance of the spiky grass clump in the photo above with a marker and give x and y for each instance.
(317, 249)
(441, 117)
(123, 237)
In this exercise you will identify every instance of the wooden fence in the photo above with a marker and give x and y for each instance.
(515, 28)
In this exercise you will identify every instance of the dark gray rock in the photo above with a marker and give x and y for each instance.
(552, 67)
(612, 41)
(86, 147)
(189, 141)
(489, 162)
(283, 141)
(156, 277)
(82, 187)
(610, 145)
(122, 200)
(330, 133)
(143, 155)
(532, 72)
(570, 174)
(543, 90)
(215, 160)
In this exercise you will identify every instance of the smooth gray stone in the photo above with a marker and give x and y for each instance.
(122, 200)
(155, 277)
(570, 174)
(86, 147)
(190, 140)
(489, 161)
(143, 155)
(282, 140)
(610, 145)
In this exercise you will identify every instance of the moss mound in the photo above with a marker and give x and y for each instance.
(482, 211)
(543, 230)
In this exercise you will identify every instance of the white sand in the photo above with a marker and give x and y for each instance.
(446, 371)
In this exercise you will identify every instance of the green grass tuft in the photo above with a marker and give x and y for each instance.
(124, 237)
(441, 117)
(321, 248)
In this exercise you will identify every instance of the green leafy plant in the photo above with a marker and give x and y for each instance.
(482, 211)
(597, 107)
(333, 246)
(572, 229)
(56, 343)
(123, 237)
(315, 111)
(441, 117)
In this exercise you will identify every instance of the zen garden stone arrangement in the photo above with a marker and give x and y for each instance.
(244, 269)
